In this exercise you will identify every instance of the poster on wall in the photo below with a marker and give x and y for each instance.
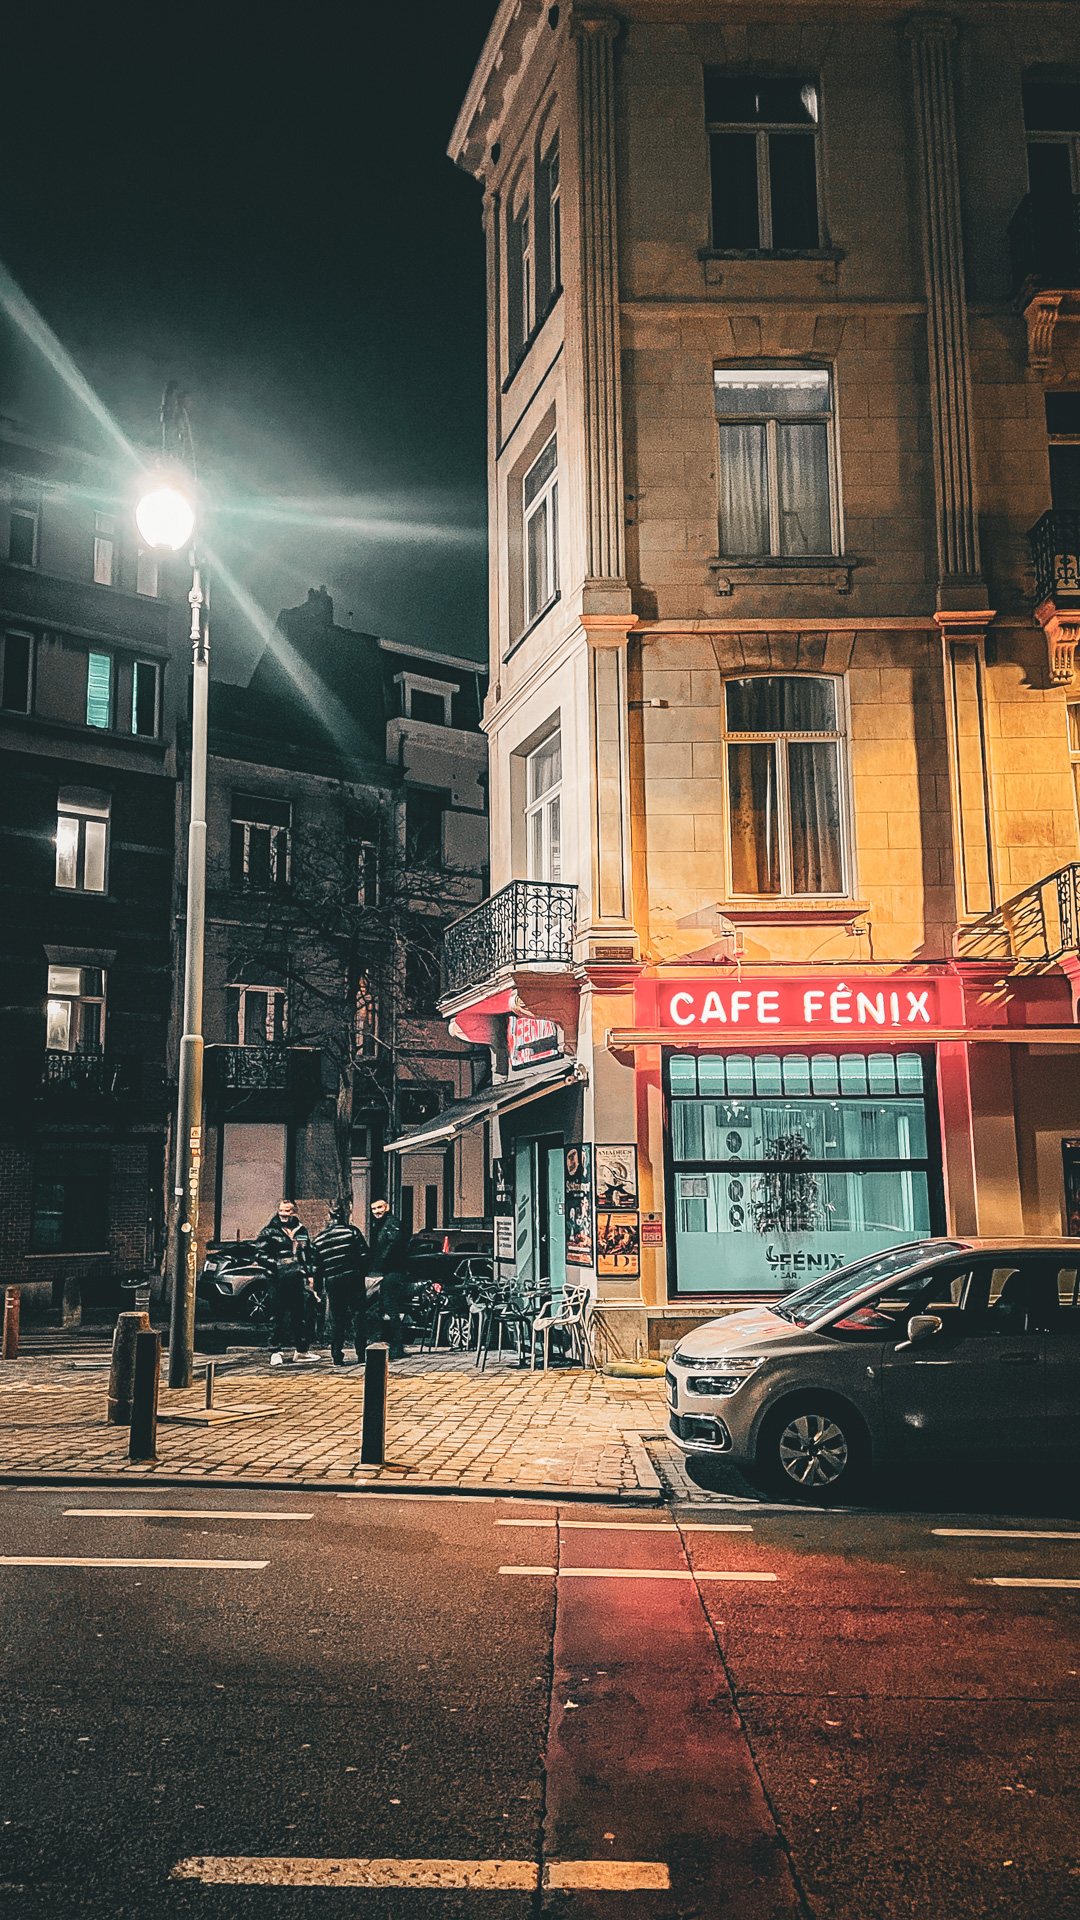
(616, 1177)
(504, 1236)
(618, 1245)
(652, 1229)
(502, 1185)
(579, 1205)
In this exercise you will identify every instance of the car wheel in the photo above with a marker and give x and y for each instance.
(457, 1333)
(813, 1451)
(258, 1302)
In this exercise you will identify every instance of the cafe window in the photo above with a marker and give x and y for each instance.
(786, 1166)
(786, 778)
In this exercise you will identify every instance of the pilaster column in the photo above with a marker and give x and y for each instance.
(959, 571)
(605, 547)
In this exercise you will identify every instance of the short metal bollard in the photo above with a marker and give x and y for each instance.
(122, 1372)
(10, 1349)
(211, 1366)
(373, 1430)
(142, 1444)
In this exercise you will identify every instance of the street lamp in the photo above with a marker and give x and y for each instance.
(165, 518)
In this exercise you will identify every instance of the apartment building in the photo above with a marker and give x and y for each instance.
(784, 463)
(90, 678)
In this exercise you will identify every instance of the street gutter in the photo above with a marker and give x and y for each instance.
(141, 1476)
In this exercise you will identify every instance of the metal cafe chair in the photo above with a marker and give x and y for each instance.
(513, 1315)
(567, 1316)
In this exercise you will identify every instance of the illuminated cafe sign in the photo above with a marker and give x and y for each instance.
(903, 1005)
(529, 1040)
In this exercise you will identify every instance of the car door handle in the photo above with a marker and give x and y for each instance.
(1019, 1359)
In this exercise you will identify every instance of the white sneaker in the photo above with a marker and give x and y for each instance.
(277, 1359)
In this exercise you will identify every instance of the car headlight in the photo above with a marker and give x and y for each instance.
(722, 1376)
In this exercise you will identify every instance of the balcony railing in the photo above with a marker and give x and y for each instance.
(271, 1069)
(1055, 554)
(1042, 923)
(529, 922)
(93, 1075)
(1044, 243)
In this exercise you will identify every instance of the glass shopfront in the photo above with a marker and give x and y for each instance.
(786, 1165)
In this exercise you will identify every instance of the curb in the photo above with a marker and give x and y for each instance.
(565, 1496)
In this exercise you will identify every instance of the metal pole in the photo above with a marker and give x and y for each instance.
(10, 1350)
(188, 1149)
(373, 1419)
(142, 1437)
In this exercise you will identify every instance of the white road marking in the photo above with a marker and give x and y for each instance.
(1004, 1580)
(73, 1560)
(634, 1573)
(281, 1870)
(631, 1526)
(998, 1533)
(176, 1513)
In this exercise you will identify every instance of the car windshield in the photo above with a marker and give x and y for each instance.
(821, 1296)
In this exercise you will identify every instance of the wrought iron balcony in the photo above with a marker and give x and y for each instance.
(1044, 244)
(528, 923)
(1041, 923)
(91, 1075)
(271, 1069)
(1055, 554)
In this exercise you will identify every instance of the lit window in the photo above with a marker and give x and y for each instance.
(104, 549)
(99, 669)
(260, 847)
(82, 839)
(785, 786)
(763, 149)
(22, 536)
(146, 573)
(146, 698)
(256, 1015)
(540, 496)
(775, 461)
(75, 1010)
(543, 813)
(16, 685)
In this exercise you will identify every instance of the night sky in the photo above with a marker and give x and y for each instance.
(256, 201)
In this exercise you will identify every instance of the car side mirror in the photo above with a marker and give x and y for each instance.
(921, 1326)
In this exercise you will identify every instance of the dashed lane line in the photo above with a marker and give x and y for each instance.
(175, 1513)
(632, 1573)
(997, 1533)
(474, 1876)
(631, 1526)
(76, 1560)
(1007, 1580)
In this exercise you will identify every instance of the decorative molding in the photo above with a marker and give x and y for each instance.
(946, 313)
(728, 574)
(1062, 632)
(960, 626)
(1040, 316)
(604, 532)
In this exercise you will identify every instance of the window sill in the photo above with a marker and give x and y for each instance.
(825, 259)
(770, 910)
(834, 572)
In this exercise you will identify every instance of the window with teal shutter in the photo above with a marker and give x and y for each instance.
(99, 690)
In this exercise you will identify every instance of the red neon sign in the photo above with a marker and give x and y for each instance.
(901, 1005)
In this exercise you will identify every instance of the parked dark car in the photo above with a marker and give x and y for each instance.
(456, 1240)
(233, 1284)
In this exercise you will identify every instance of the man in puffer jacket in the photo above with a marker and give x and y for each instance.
(341, 1262)
(285, 1250)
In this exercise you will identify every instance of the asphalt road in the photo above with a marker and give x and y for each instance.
(738, 1712)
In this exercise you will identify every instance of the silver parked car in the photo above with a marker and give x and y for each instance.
(940, 1347)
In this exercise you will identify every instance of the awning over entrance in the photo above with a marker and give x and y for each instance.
(503, 1098)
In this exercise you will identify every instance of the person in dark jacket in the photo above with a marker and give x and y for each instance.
(341, 1262)
(285, 1249)
(389, 1250)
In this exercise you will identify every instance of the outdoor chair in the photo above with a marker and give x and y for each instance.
(514, 1314)
(569, 1318)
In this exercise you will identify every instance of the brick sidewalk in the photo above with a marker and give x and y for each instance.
(448, 1425)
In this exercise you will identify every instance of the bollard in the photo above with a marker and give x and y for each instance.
(10, 1349)
(142, 1445)
(210, 1366)
(373, 1431)
(122, 1375)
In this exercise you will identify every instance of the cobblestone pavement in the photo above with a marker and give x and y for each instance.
(448, 1425)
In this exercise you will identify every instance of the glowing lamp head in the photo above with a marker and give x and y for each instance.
(165, 517)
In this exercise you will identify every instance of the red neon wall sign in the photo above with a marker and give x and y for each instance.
(898, 1005)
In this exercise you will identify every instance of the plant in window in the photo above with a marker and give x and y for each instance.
(786, 1201)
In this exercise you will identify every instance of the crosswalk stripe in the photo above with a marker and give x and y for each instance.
(282, 1870)
(1004, 1580)
(997, 1533)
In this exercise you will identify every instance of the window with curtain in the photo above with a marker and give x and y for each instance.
(540, 504)
(786, 775)
(776, 495)
(75, 1010)
(82, 839)
(763, 138)
(543, 813)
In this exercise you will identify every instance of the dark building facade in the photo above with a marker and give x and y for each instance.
(88, 685)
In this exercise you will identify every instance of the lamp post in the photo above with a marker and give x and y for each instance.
(166, 520)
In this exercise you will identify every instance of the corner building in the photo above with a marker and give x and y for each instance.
(784, 456)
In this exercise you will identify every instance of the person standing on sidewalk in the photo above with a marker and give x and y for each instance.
(341, 1262)
(285, 1249)
(390, 1246)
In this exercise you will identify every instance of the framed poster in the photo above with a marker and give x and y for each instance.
(577, 1163)
(618, 1245)
(616, 1177)
(504, 1237)
(502, 1185)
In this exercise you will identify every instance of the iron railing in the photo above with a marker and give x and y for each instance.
(528, 922)
(1044, 243)
(1055, 555)
(1041, 923)
(92, 1074)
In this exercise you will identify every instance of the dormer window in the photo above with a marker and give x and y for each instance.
(425, 699)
